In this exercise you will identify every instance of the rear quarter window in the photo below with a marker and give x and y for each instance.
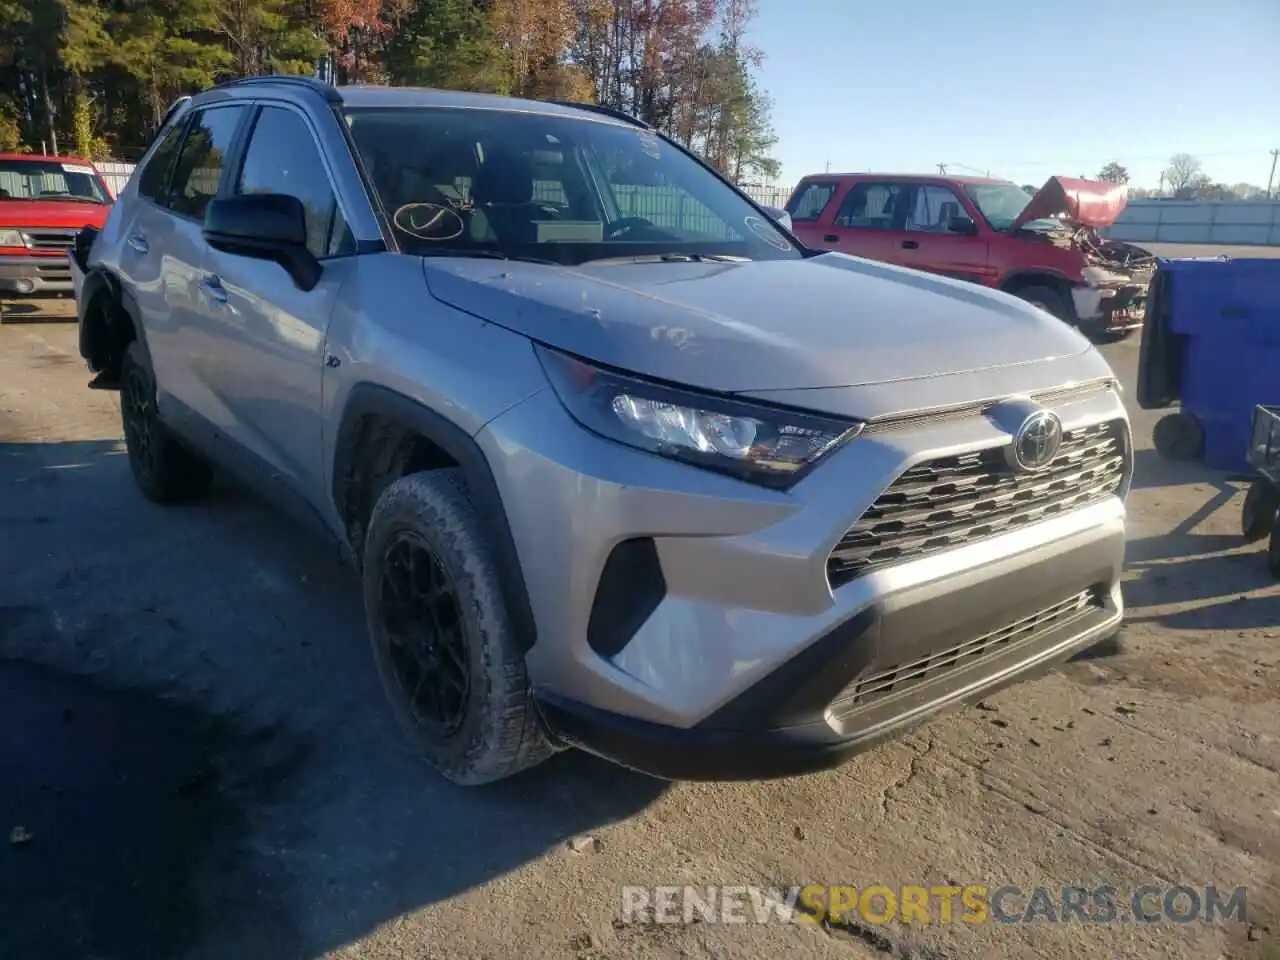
(810, 199)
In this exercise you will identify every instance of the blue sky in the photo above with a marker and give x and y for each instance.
(1027, 89)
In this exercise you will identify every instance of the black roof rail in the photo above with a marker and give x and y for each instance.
(601, 109)
(325, 90)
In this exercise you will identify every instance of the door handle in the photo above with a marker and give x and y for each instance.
(212, 288)
(910, 244)
(830, 238)
(139, 243)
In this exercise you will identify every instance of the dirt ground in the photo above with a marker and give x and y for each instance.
(195, 748)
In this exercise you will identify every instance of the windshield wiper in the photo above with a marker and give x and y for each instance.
(484, 255)
(673, 257)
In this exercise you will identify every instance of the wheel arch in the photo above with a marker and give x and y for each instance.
(108, 321)
(1017, 279)
(383, 435)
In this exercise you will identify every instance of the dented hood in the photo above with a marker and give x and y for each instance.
(1085, 202)
(829, 321)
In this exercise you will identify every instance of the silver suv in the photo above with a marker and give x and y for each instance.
(622, 464)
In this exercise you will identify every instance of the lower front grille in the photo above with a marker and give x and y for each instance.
(955, 500)
(865, 692)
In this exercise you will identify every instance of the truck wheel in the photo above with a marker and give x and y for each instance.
(441, 633)
(1258, 518)
(1048, 300)
(1179, 436)
(165, 470)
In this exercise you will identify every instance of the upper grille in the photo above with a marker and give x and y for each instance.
(956, 500)
(51, 239)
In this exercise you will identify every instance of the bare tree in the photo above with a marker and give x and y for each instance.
(1181, 173)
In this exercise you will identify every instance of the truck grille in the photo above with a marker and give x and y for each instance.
(952, 501)
(866, 691)
(51, 240)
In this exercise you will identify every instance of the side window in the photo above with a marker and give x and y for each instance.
(155, 175)
(199, 166)
(282, 157)
(873, 206)
(933, 208)
(807, 204)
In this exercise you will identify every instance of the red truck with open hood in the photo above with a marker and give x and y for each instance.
(44, 203)
(1043, 248)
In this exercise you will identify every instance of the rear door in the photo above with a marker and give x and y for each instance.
(163, 260)
(870, 220)
(931, 241)
(807, 204)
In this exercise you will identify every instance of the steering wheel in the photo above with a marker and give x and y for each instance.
(621, 226)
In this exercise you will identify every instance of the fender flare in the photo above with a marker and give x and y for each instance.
(365, 399)
(97, 283)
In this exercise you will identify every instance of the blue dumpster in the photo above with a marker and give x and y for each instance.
(1211, 343)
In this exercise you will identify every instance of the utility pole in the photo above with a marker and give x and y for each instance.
(828, 166)
(1272, 175)
(942, 169)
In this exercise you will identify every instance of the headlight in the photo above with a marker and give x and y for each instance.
(765, 445)
(12, 238)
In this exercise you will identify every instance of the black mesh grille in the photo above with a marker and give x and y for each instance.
(866, 691)
(956, 500)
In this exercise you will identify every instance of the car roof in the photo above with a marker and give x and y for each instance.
(932, 177)
(373, 97)
(46, 158)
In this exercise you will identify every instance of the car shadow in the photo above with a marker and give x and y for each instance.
(204, 764)
(49, 310)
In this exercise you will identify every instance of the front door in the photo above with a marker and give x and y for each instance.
(271, 333)
(870, 221)
(932, 240)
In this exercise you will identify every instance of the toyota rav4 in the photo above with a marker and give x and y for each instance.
(622, 465)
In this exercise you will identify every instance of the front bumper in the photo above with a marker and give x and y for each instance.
(33, 275)
(740, 660)
(1111, 309)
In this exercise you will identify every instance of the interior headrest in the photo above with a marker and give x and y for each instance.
(505, 177)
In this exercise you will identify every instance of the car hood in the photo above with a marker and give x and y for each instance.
(1085, 202)
(52, 213)
(827, 321)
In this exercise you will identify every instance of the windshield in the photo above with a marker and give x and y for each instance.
(51, 179)
(556, 188)
(1001, 203)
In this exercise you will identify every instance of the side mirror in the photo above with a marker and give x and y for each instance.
(963, 226)
(779, 216)
(265, 226)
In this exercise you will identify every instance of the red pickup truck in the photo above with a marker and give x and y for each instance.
(44, 203)
(1042, 247)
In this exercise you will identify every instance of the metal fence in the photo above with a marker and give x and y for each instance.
(1247, 223)
(116, 174)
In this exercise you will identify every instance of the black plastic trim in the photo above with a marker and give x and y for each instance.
(630, 588)
(367, 398)
(603, 111)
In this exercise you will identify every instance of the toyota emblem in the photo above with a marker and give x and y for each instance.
(1037, 441)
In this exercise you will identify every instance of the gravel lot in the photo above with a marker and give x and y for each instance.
(195, 744)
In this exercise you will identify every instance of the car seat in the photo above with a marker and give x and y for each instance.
(503, 191)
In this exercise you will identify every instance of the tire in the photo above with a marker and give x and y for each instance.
(164, 469)
(1049, 300)
(1179, 436)
(1261, 505)
(484, 727)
